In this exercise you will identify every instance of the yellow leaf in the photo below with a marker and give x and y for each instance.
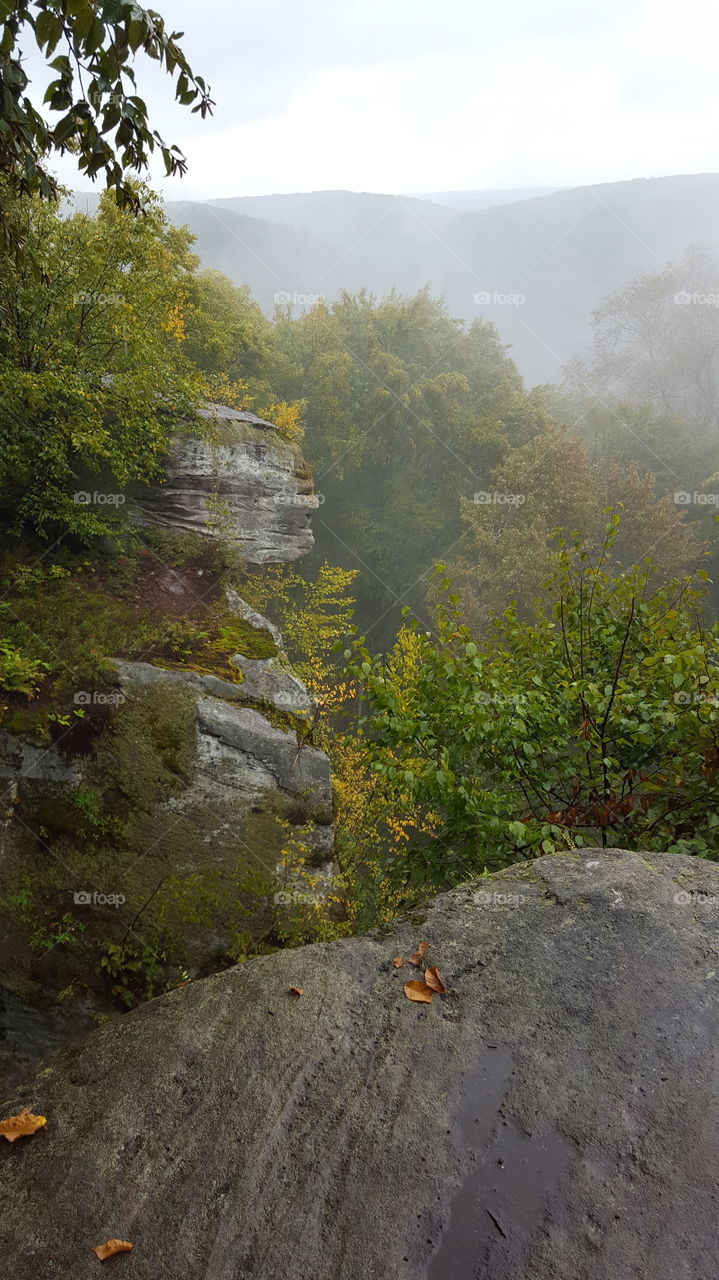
(21, 1125)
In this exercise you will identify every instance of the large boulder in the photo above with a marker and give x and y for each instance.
(242, 482)
(552, 1117)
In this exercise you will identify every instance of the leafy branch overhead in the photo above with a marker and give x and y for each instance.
(89, 48)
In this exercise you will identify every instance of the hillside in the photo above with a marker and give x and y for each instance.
(562, 252)
(485, 199)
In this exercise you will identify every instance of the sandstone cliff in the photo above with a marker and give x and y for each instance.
(242, 481)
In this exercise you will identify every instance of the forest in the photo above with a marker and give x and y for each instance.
(534, 567)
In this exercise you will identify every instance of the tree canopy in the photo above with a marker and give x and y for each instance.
(88, 48)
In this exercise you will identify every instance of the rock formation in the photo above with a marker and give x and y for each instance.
(242, 481)
(552, 1117)
(209, 778)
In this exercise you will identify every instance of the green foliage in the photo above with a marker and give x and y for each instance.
(406, 411)
(597, 724)
(136, 971)
(506, 552)
(93, 379)
(18, 673)
(655, 344)
(44, 934)
(227, 335)
(63, 625)
(93, 86)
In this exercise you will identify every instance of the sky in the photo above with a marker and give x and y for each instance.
(419, 96)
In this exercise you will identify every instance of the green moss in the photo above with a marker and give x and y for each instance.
(77, 618)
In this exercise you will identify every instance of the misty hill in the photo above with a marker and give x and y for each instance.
(342, 216)
(562, 252)
(466, 200)
(535, 267)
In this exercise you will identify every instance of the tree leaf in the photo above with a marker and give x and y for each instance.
(297, 991)
(433, 980)
(418, 956)
(398, 962)
(417, 990)
(111, 1247)
(21, 1125)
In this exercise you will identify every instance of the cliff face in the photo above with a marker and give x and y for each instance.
(243, 481)
(202, 778)
(552, 1116)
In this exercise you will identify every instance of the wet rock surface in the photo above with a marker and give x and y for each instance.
(243, 482)
(553, 1117)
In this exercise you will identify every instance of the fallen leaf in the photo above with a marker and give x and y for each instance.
(417, 990)
(419, 954)
(398, 962)
(110, 1247)
(433, 980)
(21, 1125)
(297, 991)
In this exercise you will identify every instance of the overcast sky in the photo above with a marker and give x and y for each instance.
(431, 95)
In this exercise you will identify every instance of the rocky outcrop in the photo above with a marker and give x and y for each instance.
(157, 825)
(266, 681)
(206, 780)
(553, 1116)
(241, 481)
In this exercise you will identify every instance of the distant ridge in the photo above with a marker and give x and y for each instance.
(536, 266)
(485, 199)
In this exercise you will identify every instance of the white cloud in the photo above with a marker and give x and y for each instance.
(406, 95)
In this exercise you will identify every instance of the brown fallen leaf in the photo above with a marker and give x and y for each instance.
(419, 954)
(21, 1125)
(417, 990)
(433, 980)
(297, 991)
(111, 1247)
(398, 962)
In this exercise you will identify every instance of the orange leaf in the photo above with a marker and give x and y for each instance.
(433, 980)
(110, 1247)
(416, 990)
(297, 991)
(21, 1125)
(398, 962)
(419, 954)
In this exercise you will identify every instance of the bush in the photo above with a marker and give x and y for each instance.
(597, 724)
